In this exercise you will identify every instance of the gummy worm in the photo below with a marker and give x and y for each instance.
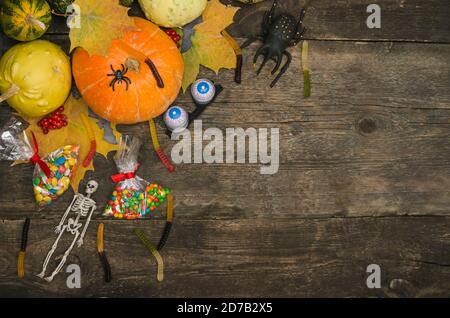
(168, 226)
(238, 52)
(154, 251)
(93, 148)
(306, 77)
(162, 156)
(23, 247)
(156, 75)
(102, 254)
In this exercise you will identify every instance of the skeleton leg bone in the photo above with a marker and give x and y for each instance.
(50, 253)
(61, 264)
(80, 242)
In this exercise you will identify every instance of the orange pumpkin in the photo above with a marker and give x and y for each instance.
(138, 79)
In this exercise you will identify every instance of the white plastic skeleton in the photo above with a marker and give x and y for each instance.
(82, 206)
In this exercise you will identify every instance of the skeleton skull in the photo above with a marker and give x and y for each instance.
(91, 187)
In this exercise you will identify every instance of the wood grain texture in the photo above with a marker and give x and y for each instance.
(416, 20)
(412, 20)
(238, 258)
(372, 140)
(364, 175)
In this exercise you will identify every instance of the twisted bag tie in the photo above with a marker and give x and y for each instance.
(124, 176)
(36, 160)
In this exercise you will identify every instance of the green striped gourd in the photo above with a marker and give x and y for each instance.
(25, 20)
(60, 6)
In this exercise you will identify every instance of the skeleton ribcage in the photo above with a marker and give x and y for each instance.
(82, 205)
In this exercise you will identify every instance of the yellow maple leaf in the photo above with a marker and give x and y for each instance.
(100, 22)
(209, 47)
(75, 133)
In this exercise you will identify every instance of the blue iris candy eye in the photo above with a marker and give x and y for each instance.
(175, 113)
(203, 87)
(203, 91)
(176, 119)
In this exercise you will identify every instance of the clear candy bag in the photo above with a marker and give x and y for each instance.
(52, 174)
(128, 198)
(133, 197)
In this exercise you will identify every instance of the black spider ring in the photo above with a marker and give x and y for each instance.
(119, 77)
(279, 33)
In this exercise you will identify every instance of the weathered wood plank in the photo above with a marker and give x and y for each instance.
(371, 140)
(413, 20)
(416, 20)
(245, 258)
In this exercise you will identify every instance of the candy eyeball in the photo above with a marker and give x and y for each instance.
(203, 91)
(176, 119)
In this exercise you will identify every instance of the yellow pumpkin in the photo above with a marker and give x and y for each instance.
(35, 77)
(172, 13)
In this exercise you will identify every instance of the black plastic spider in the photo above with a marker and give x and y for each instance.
(119, 77)
(279, 33)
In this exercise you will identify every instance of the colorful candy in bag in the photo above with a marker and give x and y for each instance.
(132, 197)
(155, 195)
(52, 174)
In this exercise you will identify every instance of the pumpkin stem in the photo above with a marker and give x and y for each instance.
(13, 90)
(133, 64)
(33, 21)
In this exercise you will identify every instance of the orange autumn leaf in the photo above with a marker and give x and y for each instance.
(75, 133)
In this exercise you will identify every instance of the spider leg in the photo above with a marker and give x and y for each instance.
(248, 42)
(110, 74)
(112, 69)
(279, 57)
(300, 20)
(123, 68)
(259, 52)
(126, 83)
(264, 50)
(298, 37)
(126, 71)
(269, 15)
(266, 58)
(283, 69)
(112, 84)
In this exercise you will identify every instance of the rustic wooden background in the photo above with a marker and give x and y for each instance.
(364, 175)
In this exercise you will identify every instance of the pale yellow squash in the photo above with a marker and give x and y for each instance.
(35, 77)
(172, 13)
